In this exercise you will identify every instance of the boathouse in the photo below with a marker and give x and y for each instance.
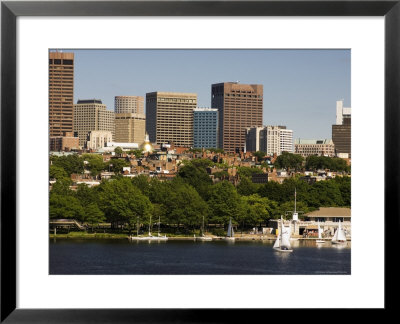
(328, 218)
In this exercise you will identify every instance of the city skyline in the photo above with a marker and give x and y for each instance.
(301, 87)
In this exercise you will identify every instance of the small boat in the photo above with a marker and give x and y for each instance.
(282, 243)
(150, 237)
(320, 240)
(203, 237)
(339, 237)
(230, 235)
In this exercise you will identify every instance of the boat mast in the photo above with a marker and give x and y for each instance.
(150, 226)
(202, 227)
(137, 227)
(159, 221)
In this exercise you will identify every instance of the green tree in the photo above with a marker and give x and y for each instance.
(248, 172)
(70, 163)
(246, 187)
(185, 206)
(85, 194)
(122, 202)
(259, 155)
(143, 183)
(289, 161)
(117, 165)
(224, 202)
(196, 175)
(94, 163)
(62, 206)
(57, 172)
(61, 187)
(118, 151)
(93, 215)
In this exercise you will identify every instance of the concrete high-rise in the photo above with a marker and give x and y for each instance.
(169, 117)
(130, 128)
(205, 128)
(92, 115)
(269, 139)
(129, 105)
(239, 106)
(61, 93)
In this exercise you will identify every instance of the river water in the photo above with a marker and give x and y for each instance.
(114, 256)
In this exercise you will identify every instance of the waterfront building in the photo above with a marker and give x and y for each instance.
(328, 218)
(240, 106)
(67, 142)
(61, 93)
(130, 127)
(169, 117)
(269, 139)
(129, 105)
(341, 132)
(92, 115)
(98, 139)
(307, 147)
(205, 128)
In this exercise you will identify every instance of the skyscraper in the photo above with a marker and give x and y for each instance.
(269, 139)
(129, 105)
(130, 128)
(169, 117)
(205, 128)
(239, 106)
(91, 115)
(61, 93)
(341, 132)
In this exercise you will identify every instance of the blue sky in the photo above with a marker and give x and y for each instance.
(300, 86)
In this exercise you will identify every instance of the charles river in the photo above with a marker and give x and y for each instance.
(115, 256)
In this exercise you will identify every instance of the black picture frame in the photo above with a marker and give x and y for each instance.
(10, 10)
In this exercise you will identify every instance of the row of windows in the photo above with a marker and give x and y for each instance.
(61, 61)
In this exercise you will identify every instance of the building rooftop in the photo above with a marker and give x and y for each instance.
(312, 141)
(330, 212)
(89, 101)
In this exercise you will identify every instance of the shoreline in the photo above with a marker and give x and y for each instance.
(247, 237)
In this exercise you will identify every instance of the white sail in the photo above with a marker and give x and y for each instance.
(230, 232)
(285, 236)
(319, 231)
(339, 236)
(277, 243)
(286, 241)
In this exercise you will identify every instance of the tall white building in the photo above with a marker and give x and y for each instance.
(278, 140)
(269, 139)
(286, 140)
(341, 112)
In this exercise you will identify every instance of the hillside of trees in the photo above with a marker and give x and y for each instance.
(182, 203)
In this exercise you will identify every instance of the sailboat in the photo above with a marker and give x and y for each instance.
(150, 237)
(340, 236)
(230, 235)
(203, 237)
(282, 243)
(320, 240)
